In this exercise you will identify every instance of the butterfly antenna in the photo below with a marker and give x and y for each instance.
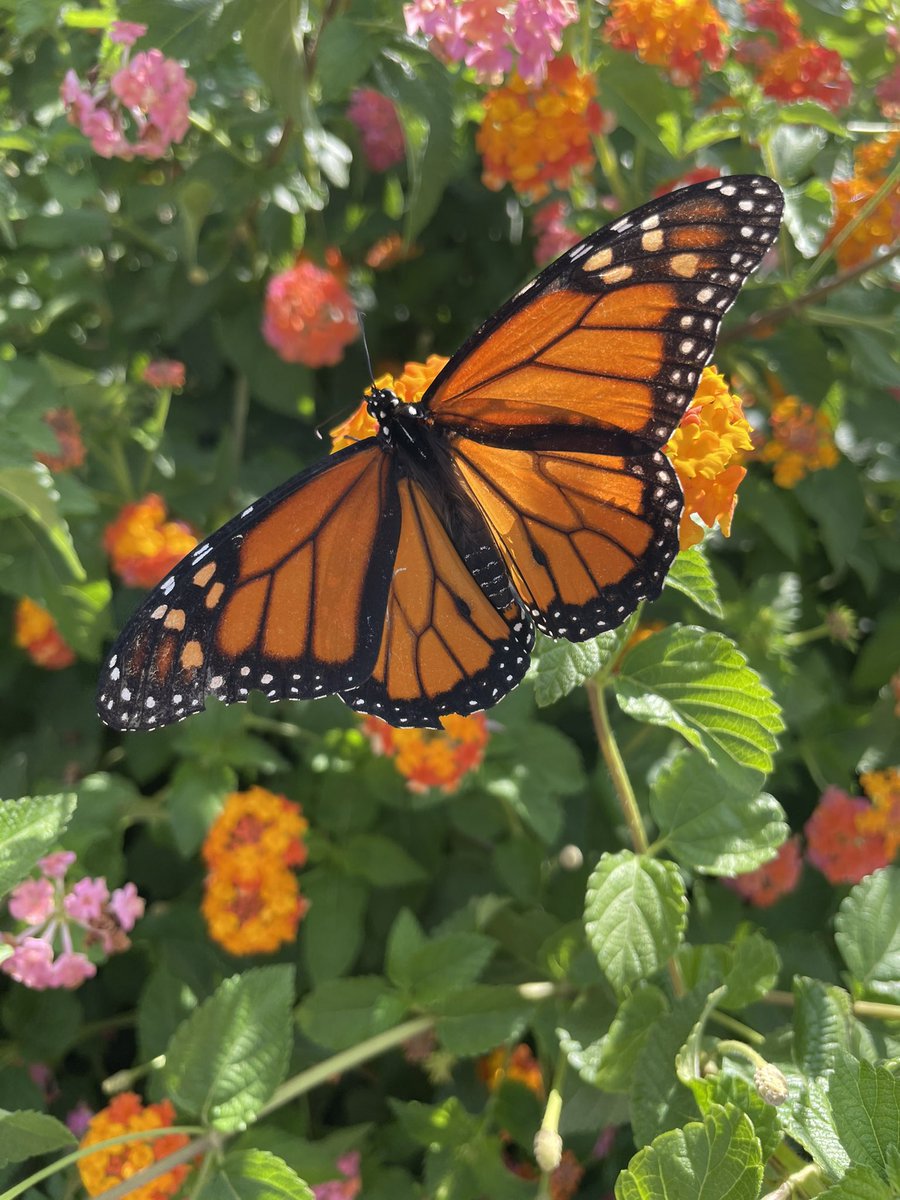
(362, 326)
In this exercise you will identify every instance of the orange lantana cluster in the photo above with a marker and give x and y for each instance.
(706, 450)
(252, 902)
(537, 137)
(802, 441)
(883, 817)
(518, 1063)
(115, 1165)
(681, 36)
(881, 226)
(432, 758)
(36, 633)
(143, 545)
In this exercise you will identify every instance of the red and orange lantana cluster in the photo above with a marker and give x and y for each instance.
(115, 1165)
(432, 758)
(143, 546)
(789, 66)
(310, 317)
(540, 136)
(881, 226)
(707, 450)
(36, 633)
(252, 902)
(71, 453)
(682, 36)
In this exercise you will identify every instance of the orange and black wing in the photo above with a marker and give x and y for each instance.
(446, 647)
(602, 352)
(584, 537)
(288, 598)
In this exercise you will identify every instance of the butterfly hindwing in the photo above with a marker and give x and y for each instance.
(584, 537)
(602, 352)
(288, 598)
(446, 647)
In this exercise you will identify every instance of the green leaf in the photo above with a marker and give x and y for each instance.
(823, 1017)
(635, 915)
(808, 215)
(404, 941)
(860, 1183)
(806, 1115)
(699, 684)
(726, 1088)
(754, 969)
(344, 52)
(254, 1175)
(867, 932)
(716, 1159)
(708, 824)
(381, 861)
(865, 1101)
(196, 794)
(25, 1134)
(609, 1063)
(531, 768)
(333, 928)
(558, 667)
(32, 490)
(227, 1058)
(29, 828)
(342, 1012)
(659, 1099)
(272, 39)
(793, 148)
(480, 1017)
(446, 964)
(834, 499)
(691, 574)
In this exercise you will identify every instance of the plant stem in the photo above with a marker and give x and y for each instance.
(872, 1009)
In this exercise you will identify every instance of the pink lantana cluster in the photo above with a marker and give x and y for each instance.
(59, 924)
(492, 39)
(138, 111)
(553, 235)
(376, 119)
(164, 373)
(344, 1188)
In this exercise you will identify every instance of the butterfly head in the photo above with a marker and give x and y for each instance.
(386, 407)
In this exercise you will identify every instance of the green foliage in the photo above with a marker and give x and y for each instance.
(564, 907)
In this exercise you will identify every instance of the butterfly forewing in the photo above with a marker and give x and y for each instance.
(287, 599)
(603, 351)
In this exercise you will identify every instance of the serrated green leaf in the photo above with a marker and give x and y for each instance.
(558, 667)
(344, 52)
(635, 915)
(867, 932)
(226, 1059)
(404, 940)
(609, 1063)
(532, 768)
(823, 1016)
(699, 684)
(709, 824)
(860, 1183)
(793, 148)
(754, 969)
(480, 1017)
(865, 1101)
(381, 861)
(28, 829)
(342, 1012)
(334, 926)
(716, 1159)
(254, 1175)
(25, 1134)
(659, 1100)
(196, 794)
(272, 39)
(726, 1088)
(32, 490)
(447, 963)
(806, 1115)
(692, 575)
(835, 501)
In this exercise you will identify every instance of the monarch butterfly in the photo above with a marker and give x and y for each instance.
(407, 572)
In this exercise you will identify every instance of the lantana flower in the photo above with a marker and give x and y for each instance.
(143, 546)
(432, 758)
(707, 450)
(57, 925)
(684, 37)
(115, 1165)
(139, 109)
(881, 226)
(553, 235)
(801, 441)
(375, 116)
(837, 843)
(533, 137)
(252, 902)
(65, 426)
(788, 66)
(345, 1187)
(36, 633)
(883, 817)
(309, 315)
(517, 1063)
(491, 39)
(774, 879)
(164, 373)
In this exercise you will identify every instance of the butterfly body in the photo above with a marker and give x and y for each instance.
(526, 488)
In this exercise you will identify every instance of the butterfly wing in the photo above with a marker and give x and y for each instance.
(288, 598)
(446, 646)
(603, 350)
(584, 537)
